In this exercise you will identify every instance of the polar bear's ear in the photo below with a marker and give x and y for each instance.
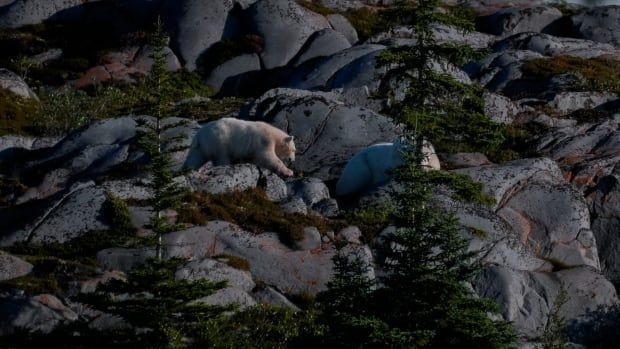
(288, 139)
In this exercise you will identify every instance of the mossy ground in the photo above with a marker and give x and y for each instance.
(251, 210)
(597, 74)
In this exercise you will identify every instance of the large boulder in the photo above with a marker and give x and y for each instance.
(548, 214)
(270, 261)
(600, 24)
(76, 213)
(605, 212)
(586, 152)
(527, 298)
(215, 271)
(92, 151)
(549, 45)
(518, 20)
(285, 26)
(233, 67)
(13, 83)
(27, 12)
(12, 267)
(327, 132)
(225, 179)
(40, 313)
(195, 25)
(322, 43)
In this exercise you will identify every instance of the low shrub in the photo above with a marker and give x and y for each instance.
(251, 210)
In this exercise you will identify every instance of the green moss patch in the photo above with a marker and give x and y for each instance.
(597, 74)
(251, 210)
(50, 275)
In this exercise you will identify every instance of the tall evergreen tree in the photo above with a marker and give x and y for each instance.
(158, 93)
(421, 298)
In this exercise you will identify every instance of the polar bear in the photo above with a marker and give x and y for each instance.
(370, 167)
(230, 140)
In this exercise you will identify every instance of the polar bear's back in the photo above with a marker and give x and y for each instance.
(368, 168)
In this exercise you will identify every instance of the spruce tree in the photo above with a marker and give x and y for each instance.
(421, 298)
(158, 91)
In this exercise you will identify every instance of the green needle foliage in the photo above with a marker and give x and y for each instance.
(420, 298)
(449, 113)
(159, 91)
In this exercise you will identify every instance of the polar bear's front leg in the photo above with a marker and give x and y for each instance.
(273, 163)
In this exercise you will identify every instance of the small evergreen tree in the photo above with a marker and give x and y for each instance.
(157, 92)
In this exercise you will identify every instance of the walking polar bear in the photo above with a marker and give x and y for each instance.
(370, 167)
(230, 140)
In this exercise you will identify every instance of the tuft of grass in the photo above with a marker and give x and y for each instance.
(16, 113)
(465, 189)
(118, 212)
(50, 275)
(366, 21)
(233, 261)
(371, 221)
(598, 74)
(251, 210)
(206, 110)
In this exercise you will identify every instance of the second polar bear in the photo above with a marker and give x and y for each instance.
(370, 167)
(230, 140)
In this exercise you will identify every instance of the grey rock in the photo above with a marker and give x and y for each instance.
(587, 151)
(235, 66)
(322, 43)
(311, 239)
(499, 108)
(350, 234)
(269, 295)
(215, 271)
(225, 179)
(228, 296)
(143, 61)
(124, 259)
(26, 12)
(605, 212)
(316, 74)
(12, 267)
(25, 142)
(462, 160)
(195, 25)
(342, 25)
(275, 187)
(75, 214)
(600, 24)
(568, 102)
(40, 313)
(285, 26)
(327, 133)
(518, 20)
(311, 190)
(553, 46)
(294, 205)
(13, 83)
(526, 298)
(546, 213)
(270, 261)
(327, 208)
(443, 34)
(140, 215)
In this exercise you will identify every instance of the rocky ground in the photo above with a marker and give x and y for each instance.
(554, 227)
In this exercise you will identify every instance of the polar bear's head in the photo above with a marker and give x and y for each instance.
(285, 149)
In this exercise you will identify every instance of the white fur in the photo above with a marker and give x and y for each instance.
(230, 140)
(370, 167)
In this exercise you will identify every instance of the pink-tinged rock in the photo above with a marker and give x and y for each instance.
(12, 267)
(94, 74)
